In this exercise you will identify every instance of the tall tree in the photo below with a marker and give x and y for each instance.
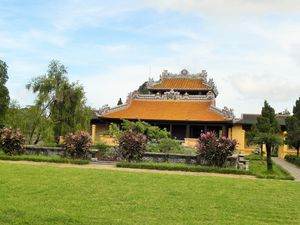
(59, 100)
(120, 102)
(143, 89)
(293, 128)
(267, 129)
(35, 126)
(4, 94)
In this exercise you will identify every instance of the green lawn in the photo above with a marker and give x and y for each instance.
(51, 195)
(42, 158)
(258, 167)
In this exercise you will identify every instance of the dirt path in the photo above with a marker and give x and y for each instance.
(111, 166)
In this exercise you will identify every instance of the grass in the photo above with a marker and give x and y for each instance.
(40, 158)
(181, 167)
(258, 168)
(32, 194)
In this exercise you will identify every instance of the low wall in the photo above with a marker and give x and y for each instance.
(181, 158)
(52, 151)
(111, 141)
(191, 142)
(147, 157)
(285, 150)
(171, 158)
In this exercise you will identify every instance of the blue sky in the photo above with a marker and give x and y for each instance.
(250, 48)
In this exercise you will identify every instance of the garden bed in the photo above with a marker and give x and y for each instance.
(40, 158)
(182, 167)
(258, 168)
(293, 159)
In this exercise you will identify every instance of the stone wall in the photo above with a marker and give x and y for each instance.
(52, 151)
(181, 158)
(148, 156)
(171, 158)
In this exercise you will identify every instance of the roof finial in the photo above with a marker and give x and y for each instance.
(184, 72)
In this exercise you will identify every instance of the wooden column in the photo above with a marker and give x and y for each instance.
(93, 133)
(205, 129)
(171, 130)
(188, 131)
(224, 131)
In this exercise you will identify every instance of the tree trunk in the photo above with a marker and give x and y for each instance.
(269, 160)
(261, 150)
(298, 152)
(38, 138)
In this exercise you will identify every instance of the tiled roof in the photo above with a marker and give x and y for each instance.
(180, 84)
(170, 110)
(249, 119)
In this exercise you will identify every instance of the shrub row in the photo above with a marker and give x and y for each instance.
(182, 167)
(293, 159)
(207, 169)
(38, 158)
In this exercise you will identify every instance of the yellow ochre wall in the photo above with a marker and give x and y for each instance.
(237, 133)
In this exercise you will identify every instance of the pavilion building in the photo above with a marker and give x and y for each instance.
(184, 104)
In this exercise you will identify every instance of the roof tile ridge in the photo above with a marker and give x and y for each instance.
(223, 112)
(109, 110)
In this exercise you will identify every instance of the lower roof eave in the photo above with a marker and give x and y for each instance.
(164, 120)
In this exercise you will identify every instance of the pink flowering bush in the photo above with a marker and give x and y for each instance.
(77, 145)
(11, 141)
(132, 145)
(214, 151)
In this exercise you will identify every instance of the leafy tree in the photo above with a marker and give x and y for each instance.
(4, 93)
(250, 137)
(120, 102)
(35, 126)
(143, 89)
(293, 128)
(153, 133)
(60, 101)
(267, 131)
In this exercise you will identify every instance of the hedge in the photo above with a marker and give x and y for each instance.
(293, 159)
(182, 167)
(39, 158)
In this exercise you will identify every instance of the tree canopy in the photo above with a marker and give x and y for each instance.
(266, 131)
(60, 101)
(4, 93)
(293, 128)
(120, 102)
(143, 88)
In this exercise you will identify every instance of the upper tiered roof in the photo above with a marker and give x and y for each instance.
(173, 101)
(180, 84)
(184, 81)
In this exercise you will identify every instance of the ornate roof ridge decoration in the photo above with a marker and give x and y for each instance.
(173, 95)
(226, 112)
(106, 109)
(167, 96)
(184, 74)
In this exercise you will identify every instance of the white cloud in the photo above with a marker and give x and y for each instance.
(107, 87)
(228, 7)
(261, 87)
(74, 14)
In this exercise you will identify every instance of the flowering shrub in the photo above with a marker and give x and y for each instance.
(132, 145)
(213, 150)
(11, 141)
(77, 145)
